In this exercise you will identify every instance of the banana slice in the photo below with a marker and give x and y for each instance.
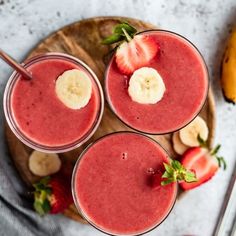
(44, 164)
(178, 146)
(146, 86)
(74, 88)
(189, 134)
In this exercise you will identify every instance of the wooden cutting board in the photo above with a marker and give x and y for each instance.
(82, 39)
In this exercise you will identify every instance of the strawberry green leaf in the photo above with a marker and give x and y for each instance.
(114, 38)
(175, 171)
(165, 182)
(166, 175)
(121, 32)
(42, 207)
(129, 29)
(202, 142)
(38, 207)
(46, 206)
(221, 161)
(176, 165)
(190, 177)
(41, 185)
(45, 180)
(48, 190)
(41, 196)
(215, 150)
(168, 168)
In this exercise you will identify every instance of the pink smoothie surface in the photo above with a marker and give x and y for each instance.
(41, 116)
(112, 184)
(186, 80)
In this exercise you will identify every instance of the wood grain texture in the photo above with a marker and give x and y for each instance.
(82, 39)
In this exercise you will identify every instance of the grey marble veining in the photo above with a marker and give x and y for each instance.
(23, 23)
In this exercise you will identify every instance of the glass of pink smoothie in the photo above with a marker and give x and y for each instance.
(36, 115)
(112, 184)
(185, 76)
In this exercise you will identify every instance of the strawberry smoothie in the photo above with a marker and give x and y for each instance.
(185, 77)
(112, 184)
(38, 117)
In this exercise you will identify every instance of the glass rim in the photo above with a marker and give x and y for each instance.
(73, 182)
(34, 144)
(111, 107)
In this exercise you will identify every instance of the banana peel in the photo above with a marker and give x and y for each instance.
(228, 74)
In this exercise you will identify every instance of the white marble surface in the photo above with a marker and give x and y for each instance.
(23, 23)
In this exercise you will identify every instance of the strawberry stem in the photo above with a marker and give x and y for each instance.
(128, 38)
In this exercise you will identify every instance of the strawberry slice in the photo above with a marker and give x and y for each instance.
(135, 53)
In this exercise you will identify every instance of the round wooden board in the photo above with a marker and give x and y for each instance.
(82, 39)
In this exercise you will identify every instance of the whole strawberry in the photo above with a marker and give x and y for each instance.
(52, 195)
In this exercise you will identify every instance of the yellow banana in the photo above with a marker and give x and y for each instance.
(228, 76)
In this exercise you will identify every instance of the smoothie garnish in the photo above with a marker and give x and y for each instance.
(120, 33)
(74, 88)
(134, 50)
(146, 86)
(49, 194)
(198, 165)
(175, 172)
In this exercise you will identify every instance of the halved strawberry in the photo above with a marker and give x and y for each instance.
(203, 163)
(198, 165)
(136, 53)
